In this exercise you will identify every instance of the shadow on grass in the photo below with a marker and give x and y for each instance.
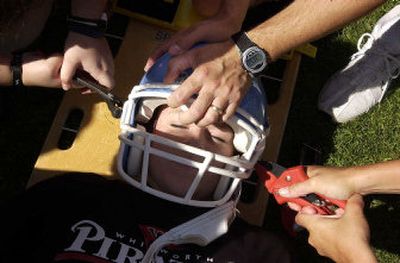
(382, 212)
(306, 124)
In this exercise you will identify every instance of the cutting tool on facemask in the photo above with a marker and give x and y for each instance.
(276, 177)
(114, 103)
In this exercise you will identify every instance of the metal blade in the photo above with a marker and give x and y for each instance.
(274, 168)
(113, 102)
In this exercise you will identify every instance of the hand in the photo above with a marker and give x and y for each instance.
(38, 70)
(344, 239)
(332, 182)
(220, 27)
(90, 54)
(218, 78)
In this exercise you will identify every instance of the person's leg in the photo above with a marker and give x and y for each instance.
(353, 90)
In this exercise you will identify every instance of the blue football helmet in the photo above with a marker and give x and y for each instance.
(249, 124)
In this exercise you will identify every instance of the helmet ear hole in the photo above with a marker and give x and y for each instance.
(241, 140)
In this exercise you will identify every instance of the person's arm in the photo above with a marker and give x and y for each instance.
(5, 70)
(92, 9)
(377, 178)
(219, 78)
(41, 71)
(37, 70)
(341, 183)
(88, 53)
(344, 239)
(306, 20)
(225, 19)
(207, 8)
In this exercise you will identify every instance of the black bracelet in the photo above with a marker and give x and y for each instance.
(95, 28)
(16, 69)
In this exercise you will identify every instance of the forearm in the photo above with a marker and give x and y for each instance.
(6, 76)
(306, 20)
(360, 253)
(376, 178)
(91, 9)
(5, 70)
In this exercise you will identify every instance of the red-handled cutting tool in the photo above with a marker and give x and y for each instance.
(275, 177)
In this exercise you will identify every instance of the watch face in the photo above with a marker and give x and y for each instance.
(254, 59)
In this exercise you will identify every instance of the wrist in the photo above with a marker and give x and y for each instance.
(233, 56)
(353, 179)
(254, 59)
(267, 42)
(363, 253)
(5, 70)
(363, 180)
(26, 78)
(90, 9)
(95, 28)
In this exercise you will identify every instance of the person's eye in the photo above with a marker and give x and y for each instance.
(178, 126)
(218, 139)
(218, 135)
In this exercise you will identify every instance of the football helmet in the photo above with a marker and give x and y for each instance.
(249, 125)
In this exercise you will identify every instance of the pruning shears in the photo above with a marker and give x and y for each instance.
(114, 103)
(275, 177)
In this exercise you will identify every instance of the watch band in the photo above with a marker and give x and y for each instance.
(16, 69)
(254, 59)
(95, 28)
(242, 41)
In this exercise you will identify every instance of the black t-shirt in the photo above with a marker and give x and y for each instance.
(86, 218)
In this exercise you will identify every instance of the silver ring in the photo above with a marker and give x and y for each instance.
(217, 109)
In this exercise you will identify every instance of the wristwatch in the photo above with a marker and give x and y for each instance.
(95, 28)
(254, 59)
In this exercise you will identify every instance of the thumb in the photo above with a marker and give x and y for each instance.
(306, 220)
(66, 74)
(296, 190)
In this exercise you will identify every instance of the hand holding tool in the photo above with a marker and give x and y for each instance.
(114, 103)
(275, 177)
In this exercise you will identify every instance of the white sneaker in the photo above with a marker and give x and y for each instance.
(353, 90)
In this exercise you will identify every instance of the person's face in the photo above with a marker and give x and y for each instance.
(176, 178)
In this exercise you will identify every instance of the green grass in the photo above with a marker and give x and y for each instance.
(372, 137)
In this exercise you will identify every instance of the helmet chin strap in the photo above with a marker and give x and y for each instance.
(200, 230)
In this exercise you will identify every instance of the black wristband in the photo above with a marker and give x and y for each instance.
(95, 28)
(16, 69)
(241, 40)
